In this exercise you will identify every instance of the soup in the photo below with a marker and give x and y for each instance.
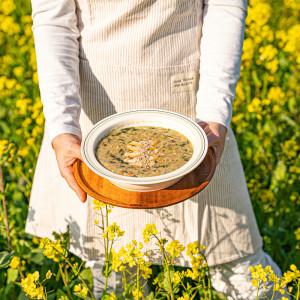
(143, 151)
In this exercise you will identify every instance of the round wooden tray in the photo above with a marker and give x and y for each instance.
(103, 190)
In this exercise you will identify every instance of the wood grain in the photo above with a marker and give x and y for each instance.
(103, 190)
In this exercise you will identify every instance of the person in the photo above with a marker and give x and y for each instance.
(96, 58)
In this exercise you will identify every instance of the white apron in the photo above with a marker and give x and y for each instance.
(131, 55)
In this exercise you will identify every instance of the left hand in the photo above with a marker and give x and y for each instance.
(216, 134)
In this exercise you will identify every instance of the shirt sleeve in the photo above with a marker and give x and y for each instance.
(220, 58)
(56, 44)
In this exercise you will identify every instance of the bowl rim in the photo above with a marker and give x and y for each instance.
(149, 179)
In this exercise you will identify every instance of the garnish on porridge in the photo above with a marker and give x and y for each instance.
(143, 151)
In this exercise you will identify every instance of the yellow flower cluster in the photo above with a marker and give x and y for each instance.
(131, 255)
(261, 277)
(80, 291)
(194, 251)
(113, 231)
(136, 293)
(7, 151)
(149, 231)
(292, 275)
(184, 297)
(31, 287)
(112, 296)
(15, 262)
(53, 249)
(178, 276)
(98, 204)
(174, 248)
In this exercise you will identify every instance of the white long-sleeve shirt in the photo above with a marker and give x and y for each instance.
(57, 48)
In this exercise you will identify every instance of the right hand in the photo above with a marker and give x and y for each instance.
(67, 150)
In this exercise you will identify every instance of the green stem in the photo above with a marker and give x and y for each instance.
(273, 293)
(20, 271)
(162, 248)
(4, 204)
(124, 280)
(106, 251)
(298, 291)
(257, 292)
(209, 278)
(65, 281)
(81, 279)
(138, 282)
(45, 294)
(75, 272)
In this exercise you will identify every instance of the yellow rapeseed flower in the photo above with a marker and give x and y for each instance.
(98, 204)
(174, 248)
(18, 71)
(291, 148)
(9, 26)
(267, 53)
(3, 147)
(255, 106)
(136, 293)
(113, 231)
(275, 94)
(259, 14)
(7, 7)
(31, 286)
(81, 291)
(112, 296)
(293, 41)
(48, 274)
(52, 250)
(192, 248)
(15, 262)
(149, 231)
(248, 51)
(178, 276)
(184, 297)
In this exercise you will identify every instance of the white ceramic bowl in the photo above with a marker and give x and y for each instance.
(145, 117)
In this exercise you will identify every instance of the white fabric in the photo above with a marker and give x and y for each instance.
(220, 48)
(56, 40)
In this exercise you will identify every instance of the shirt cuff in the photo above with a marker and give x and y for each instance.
(236, 3)
(214, 108)
(54, 131)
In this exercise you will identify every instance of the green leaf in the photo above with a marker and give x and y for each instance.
(12, 275)
(5, 258)
(22, 296)
(60, 294)
(38, 258)
(87, 276)
(150, 296)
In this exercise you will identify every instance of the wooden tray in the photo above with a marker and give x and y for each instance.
(103, 190)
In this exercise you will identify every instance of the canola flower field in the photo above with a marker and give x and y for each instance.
(266, 121)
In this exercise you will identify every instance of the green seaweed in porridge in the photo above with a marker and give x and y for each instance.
(143, 151)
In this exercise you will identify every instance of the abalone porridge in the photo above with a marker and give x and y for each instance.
(142, 151)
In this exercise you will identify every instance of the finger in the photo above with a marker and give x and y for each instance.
(205, 127)
(77, 151)
(212, 139)
(69, 177)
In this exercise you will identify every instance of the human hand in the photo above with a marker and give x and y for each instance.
(67, 150)
(216, 134)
